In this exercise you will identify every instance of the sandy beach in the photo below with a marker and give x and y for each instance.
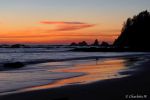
(134, 86)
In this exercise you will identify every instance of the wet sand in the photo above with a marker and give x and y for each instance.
(135, 86)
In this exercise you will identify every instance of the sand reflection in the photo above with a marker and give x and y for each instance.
(95, 71)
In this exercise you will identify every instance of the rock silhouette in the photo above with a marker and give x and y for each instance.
(13, 65)
(105, 44)
(83, 43)
(73, 44)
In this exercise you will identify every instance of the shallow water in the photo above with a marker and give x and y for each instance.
(56, 74)
(59, 73)
(94, 71)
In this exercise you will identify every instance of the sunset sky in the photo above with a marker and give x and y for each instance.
(65, 21)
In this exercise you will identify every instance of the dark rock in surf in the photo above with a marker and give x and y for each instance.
(13, 65)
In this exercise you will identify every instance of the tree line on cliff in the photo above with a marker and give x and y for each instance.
(134, 35)
(135, 32)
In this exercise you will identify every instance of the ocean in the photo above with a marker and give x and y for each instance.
(55, 67)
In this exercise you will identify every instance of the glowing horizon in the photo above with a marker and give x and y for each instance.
(65, 21)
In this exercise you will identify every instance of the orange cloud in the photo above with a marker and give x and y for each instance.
(67, 26)
(60, 22)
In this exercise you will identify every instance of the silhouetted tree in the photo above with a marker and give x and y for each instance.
(135, 32)
(96, 43)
